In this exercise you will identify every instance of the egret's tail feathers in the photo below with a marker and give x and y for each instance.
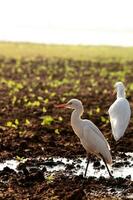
(118, 134)
(108, 158)
(117, 137)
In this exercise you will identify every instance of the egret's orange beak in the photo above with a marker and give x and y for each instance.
(61, 106)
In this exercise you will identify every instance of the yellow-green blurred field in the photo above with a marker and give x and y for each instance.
(79, 52)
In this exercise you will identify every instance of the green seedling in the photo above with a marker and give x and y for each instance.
(60, 118)
(33, 104)
(50, 178)
(11, 124)
(46, 101)
(21, 159)
(90, 112)
(44, 110)
(98, 110)
(47, 120)
(27, 122)
(104, 120)
(57, 131)
(14, 99)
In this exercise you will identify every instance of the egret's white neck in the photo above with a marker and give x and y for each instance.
(76, 121)
(121, 93)
(76, 117)
(77, 113)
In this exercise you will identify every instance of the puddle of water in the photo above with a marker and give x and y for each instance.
(78, 166)
(130, 197)
(12, 164)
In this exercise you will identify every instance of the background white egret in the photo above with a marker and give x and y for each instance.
(90, 136)
(119, 112)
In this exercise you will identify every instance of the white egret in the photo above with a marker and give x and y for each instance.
(119, 112)
(90, 136)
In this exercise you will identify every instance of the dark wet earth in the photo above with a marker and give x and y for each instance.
(49, 175)
(43, 159)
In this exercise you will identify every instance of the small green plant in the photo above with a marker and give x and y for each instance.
(14, 99)
(90, 112)
(33, 104)
(27, 122)
(104, 120)
(98, 110)
(50, 178)
(21, 159)
(44, 110)
(14, 124)
(46, 101)
(47, 120)
(57, 131)
(60, 118)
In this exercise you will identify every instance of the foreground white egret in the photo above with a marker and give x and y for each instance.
(119, 112)
(90, 136)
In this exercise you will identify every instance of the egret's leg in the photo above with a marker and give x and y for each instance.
(106, 165)
(87, 166)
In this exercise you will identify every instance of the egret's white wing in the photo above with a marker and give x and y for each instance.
(97, 131)
(94, 141)
(119, 113)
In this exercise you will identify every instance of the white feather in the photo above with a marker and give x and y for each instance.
(94, 141)
(119, 112)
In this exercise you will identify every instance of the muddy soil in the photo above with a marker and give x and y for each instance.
(29, 89)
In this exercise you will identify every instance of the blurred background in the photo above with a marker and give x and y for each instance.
(67, 21)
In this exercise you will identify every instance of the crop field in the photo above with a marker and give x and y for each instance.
(33, 79)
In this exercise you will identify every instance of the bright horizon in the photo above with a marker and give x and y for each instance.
(67, 21)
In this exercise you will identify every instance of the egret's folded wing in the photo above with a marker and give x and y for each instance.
(94, 143)
(98, 132)
(119, 114)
